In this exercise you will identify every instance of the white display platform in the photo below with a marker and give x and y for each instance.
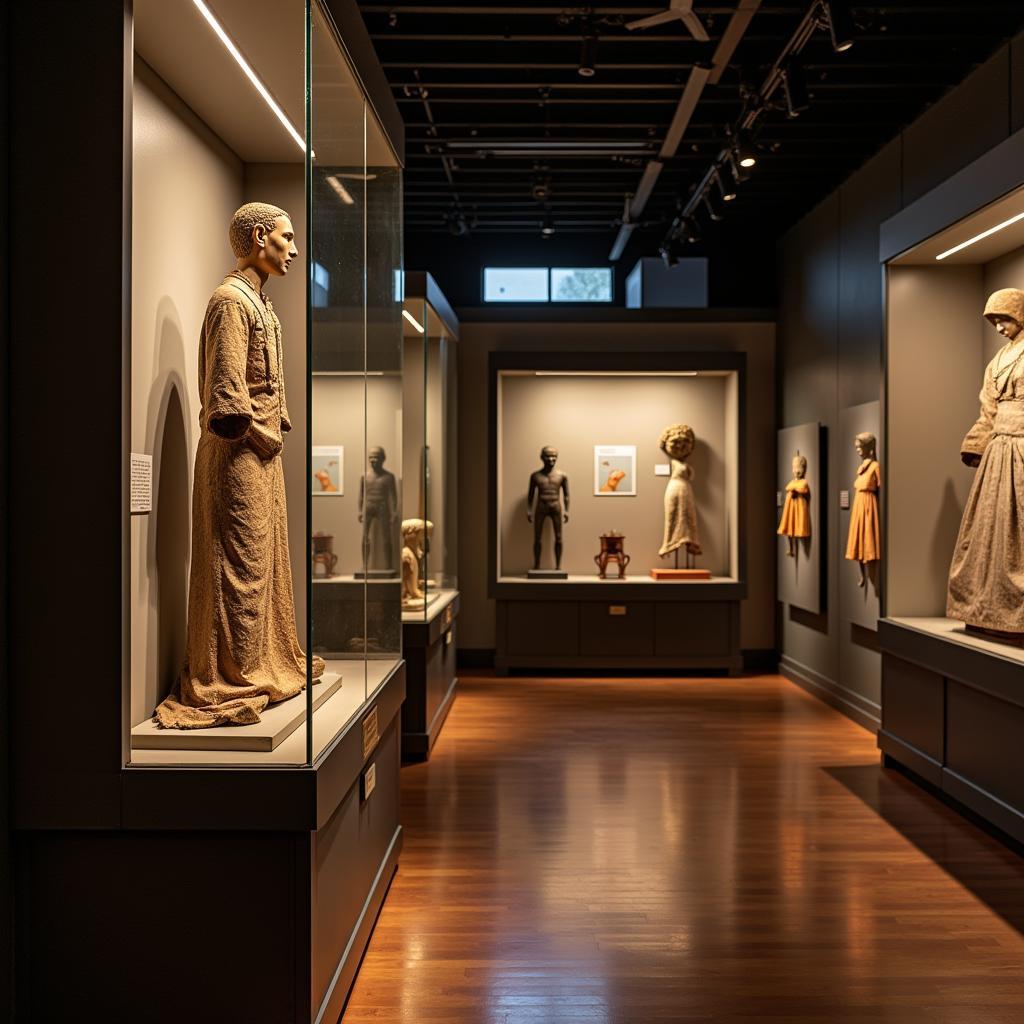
(362, 679)
(277, 722)
(436, 603)
(953, 631)
(639, 576)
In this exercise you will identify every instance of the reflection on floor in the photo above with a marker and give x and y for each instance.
(714, 850)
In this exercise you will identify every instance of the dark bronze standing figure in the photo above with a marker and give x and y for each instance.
(378, 502)
(550, 486)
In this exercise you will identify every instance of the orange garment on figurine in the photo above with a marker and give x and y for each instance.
(796, 512)
(864, 542)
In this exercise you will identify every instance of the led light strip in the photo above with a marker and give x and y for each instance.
(978, 238)
(408, 316)
(249, 73)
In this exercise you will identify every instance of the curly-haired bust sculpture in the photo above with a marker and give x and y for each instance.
(414, 533)
(246, 219)
(677, 442)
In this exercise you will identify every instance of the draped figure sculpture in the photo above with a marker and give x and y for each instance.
(243, 652)
(796, 512)
(677, 442)
(415, 534)
(864, 540)
(986, 577)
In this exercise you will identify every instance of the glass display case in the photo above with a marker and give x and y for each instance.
(616, 509)
(430, 595)
(220, 118)
(951, 627)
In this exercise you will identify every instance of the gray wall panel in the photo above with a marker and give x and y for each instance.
(831, 319)
(968, 121)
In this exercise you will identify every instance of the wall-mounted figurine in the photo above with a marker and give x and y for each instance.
(986, 578)
(796, 512)
(243, 652)
(677, 442)
(378, 503)
(550, 487)
(864, 541)
(415, 534)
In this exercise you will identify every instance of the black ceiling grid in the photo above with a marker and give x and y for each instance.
(504, 134)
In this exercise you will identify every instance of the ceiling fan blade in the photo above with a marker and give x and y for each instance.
(694, 24)
(655, 19)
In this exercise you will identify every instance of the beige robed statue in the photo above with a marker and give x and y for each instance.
(986, 578)
(243, 652)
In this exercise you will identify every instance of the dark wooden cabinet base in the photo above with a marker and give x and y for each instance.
(627, 627)
(953, 715)
(430, 647)
(198, 921)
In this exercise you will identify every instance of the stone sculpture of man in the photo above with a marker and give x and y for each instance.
(243, 652)
(550, 486)
(378, 503)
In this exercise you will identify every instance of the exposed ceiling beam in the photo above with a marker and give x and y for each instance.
(734, 32)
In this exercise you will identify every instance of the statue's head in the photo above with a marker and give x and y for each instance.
(799, 466)
(549, 456)
(377, 457)
(415, 530)
(677, 441)
(1005, 311)
(262, 236)
(865, 444)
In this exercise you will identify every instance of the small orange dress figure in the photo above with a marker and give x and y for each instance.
(796, 513)
(864, 542)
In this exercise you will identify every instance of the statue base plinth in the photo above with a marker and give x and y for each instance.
(277, 722)
(547, 574)
(376, 574)
(680, 574)
(999, 635)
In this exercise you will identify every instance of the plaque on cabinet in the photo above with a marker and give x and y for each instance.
(369, 782)
(141, 481)
(371, 732)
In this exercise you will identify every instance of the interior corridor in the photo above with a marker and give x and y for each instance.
(631, 850)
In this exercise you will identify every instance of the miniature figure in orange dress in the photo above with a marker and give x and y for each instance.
(796, 513)
(864, 543)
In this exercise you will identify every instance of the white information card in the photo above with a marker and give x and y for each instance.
(141, 484)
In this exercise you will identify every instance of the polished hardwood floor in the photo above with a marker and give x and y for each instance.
(633, 850)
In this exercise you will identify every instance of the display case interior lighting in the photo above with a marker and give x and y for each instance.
(408, 316)
(978, 238)
(230, 46)
(339, 190)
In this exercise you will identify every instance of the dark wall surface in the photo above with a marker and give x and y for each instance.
(831, 332)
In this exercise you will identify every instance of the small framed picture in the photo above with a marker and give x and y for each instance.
(614, 470)
(328, 470)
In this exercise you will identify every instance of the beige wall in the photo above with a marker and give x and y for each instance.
(936, 360)
(478, 339)
(575, 413)
(338, 419)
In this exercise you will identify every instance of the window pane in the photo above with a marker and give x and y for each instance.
(515, 284)
(581, 284)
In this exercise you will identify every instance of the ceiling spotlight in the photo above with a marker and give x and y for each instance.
(738, 173)
(457, 223)
(840, 24)
(588, 54)
(690, 231)
(713, 213)
(547, 226)
(744, 150)
(794, 86)
(726, 186)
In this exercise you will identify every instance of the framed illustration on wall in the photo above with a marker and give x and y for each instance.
(328, 470)
(614, 470)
